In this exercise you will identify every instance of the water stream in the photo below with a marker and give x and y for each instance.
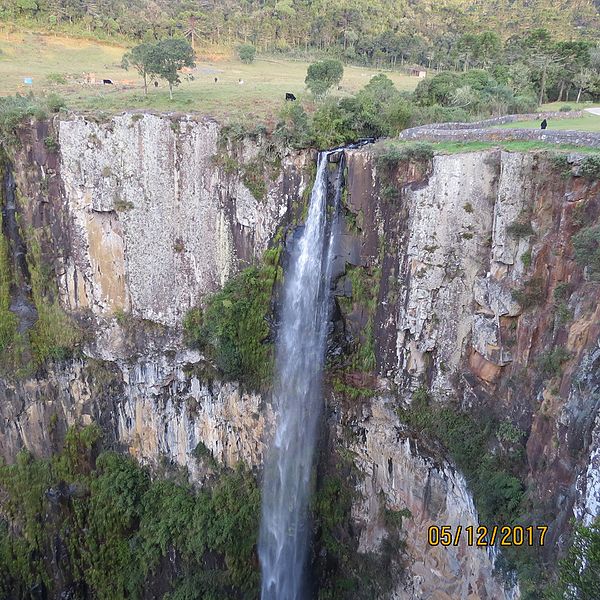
(285, 529)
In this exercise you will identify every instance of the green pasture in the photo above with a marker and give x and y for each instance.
(60, 64)
(588, 122)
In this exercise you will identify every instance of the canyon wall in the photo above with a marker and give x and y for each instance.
(142, 216)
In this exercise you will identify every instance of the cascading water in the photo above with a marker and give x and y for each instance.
(285, 530)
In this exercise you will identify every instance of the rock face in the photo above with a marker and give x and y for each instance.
(146, 214)
(398, 475)
(156, 222)
(479, 290)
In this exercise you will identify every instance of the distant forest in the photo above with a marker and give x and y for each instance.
(432, 33)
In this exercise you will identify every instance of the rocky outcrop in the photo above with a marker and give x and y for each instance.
(398, 475)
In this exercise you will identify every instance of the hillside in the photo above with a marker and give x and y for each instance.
(366, 30)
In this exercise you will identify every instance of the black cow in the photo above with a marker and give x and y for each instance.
(107, 82)
(544, 124)
(289, 96)
(216, 79)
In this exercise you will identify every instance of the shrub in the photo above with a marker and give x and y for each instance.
(522, 104)
(586, 244)
(14, 109)
(246, 53)
(378, 109)
(531, 294)
(438, 114)
(563, 314)
(51, 143)
(392, 154)
(331, 125)
(561, 163)
(562, 291)
(550, 362)
(566, 108)
(254, 179)
(293, 128)
(520, 229)
(590, 166)
(233, 330)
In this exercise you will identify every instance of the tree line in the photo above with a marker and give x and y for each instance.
(377, 32)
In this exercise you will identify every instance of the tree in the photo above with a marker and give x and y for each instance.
(321, 76)
(580, 570)
(140, 58)
(246, 52)
(583, 80)
(168, 57)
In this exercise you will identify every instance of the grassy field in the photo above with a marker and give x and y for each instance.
(261, 94)
(588, 122)
(478, 146)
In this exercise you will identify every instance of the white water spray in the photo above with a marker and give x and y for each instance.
(285, 530)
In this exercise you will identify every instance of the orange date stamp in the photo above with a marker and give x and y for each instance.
(483, 536)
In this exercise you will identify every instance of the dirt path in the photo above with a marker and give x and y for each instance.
(594, 111)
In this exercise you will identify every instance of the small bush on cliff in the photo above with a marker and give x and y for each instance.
(590, 167)
(232, 329)
(520, 228)
(550, 362)
(389, 155)
(586, 244)
(14, 109)
(531, 294)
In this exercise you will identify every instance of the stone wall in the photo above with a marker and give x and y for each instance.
(435, 134)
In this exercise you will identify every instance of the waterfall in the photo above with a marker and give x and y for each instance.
(285, 529)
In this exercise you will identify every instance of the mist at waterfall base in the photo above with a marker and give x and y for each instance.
(284, 538)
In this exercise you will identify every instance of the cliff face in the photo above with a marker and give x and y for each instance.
(491, 311)
(142, 216)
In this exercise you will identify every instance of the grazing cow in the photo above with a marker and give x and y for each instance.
(289, 96)
(544, 124)
(216, 79)
(107, 81)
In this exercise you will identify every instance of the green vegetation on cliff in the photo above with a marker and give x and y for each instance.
(8, 320)
(343, 573)
(232, 328)
(14, 109)
(492, 476)
(54, 334)
(113, 530)
(580, 570)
